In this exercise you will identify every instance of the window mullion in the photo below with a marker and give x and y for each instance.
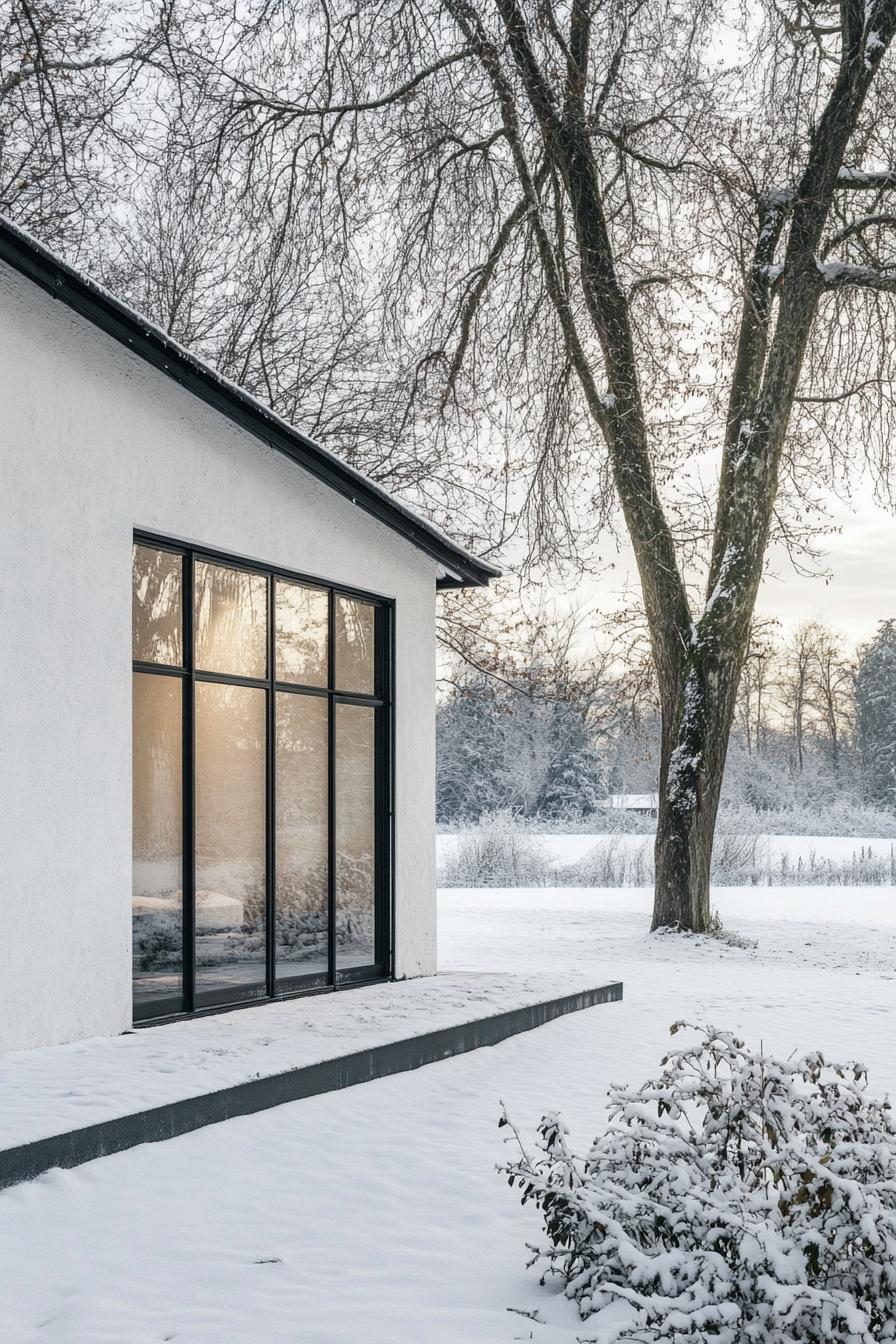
(271, 799)
(331, 786)
(189, 790)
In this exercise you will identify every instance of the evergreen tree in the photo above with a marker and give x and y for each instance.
(575, 783)
(530, 747)
(876, 709)
(468, 752)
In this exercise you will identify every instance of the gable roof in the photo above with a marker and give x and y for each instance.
(75, 289)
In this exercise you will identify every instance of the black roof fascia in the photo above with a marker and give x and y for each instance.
(124, 325)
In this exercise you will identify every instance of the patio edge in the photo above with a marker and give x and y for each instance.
(74, 1147)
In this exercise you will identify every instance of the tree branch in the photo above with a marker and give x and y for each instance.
(856, 179)
(837, 275)
(568, 144)
(842, 396)
(474, 295)
(856, 227)
(258, 98)
(752, 462)
(37, 68)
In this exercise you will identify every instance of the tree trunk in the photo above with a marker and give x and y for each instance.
(696, 729)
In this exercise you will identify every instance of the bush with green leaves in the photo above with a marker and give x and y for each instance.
(736, 1198)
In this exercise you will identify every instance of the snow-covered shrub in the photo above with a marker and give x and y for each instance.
(736, 1198)
(621, 821)
(866, 866)
(739, 859)
(497, 852)
(716, 929)
(835, 816)
(159, 948)
(610, 863)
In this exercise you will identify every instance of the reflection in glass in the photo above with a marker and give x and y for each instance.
(157, 611)
(231, 608)
(301, 773)
(158, 838)
(355, 835)
(301, 634)
(354, 645)
(230, 839)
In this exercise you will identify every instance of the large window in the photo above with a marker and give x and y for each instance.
(261, 782)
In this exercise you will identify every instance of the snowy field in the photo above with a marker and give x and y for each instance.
(574, 848)
(374, 1215)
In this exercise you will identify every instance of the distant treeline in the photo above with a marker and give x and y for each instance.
(547, 736)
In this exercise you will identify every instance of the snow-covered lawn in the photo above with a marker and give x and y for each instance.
(374, 1216)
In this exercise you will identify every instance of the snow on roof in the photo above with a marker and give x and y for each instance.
(631, 802)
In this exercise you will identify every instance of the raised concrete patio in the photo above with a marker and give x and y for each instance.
(68, 1104)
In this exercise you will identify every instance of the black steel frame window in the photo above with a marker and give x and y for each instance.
(349, 713)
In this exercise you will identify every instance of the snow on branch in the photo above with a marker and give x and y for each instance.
(837, 275)
(735, 1196)
(855, 179)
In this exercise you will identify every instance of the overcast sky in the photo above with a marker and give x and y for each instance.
(861, 591)
(862, 587)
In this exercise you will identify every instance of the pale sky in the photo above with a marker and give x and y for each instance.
(861, 591)
(862, 587)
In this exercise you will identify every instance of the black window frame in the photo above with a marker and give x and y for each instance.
(190, 1003)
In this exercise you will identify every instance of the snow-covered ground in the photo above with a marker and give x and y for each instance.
(64, 1087)
(574, 848)
(560, 848)
(374, 1215)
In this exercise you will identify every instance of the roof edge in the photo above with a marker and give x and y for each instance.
(91, 301)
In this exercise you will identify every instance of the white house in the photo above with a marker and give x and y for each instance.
(645, 804)
(218, 672)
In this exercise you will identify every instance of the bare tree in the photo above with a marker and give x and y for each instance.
(798, 663)
(816, 689)
(107, 152)
(573, 191)
(70, 77)
(605, 243)
(832, 690)
(755, 685)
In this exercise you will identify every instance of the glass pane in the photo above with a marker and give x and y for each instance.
(302, 615)
(158, 606)
(355, 832)
(302, 925)
(354, 645)
(158, 838)
(230, 839)
(231, 620)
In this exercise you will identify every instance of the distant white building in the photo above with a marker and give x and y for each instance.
(644, 803)
(218, 670)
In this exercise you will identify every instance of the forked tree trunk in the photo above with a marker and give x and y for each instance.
(698, 661)
(696, 729)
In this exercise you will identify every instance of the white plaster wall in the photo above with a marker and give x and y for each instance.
(93, 444)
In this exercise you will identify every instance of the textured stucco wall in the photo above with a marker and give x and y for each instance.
(93, 444)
